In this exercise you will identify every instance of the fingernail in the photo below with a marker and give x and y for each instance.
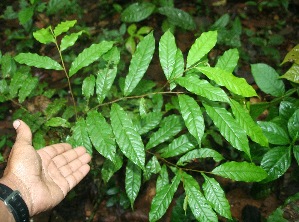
(16, 124)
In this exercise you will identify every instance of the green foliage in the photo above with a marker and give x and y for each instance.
(153, 133)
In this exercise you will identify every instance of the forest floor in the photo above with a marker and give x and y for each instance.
(87, 200)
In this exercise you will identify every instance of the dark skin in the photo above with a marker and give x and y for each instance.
(43, 177)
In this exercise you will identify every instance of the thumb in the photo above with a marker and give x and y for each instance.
(24, 135)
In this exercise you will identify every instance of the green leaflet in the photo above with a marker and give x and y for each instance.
(63, 27)
(127, 138)
(178, 69)
(137, 12)
(171, 125)
(25, 15)
(229, 128)
(192, 116)
(276, 162)
(178, 17)
(69, 40)
(202, 88)
(139, 62)
(33, 59)
(167, 52)
(44, 35)
(196, 201)
(54, 107)
(162, 179)
(178, 146)
(228, 61)
(292, 56)
(234, 84)
(88, 86)
(163, 198)
(132, 181)
(106, 76)
(101, 135)
(267, 79)
(150, 121)
(292, 74)
(287, 109)
(58, 122)
(89, 55)
(152, 167)
(275, 133)
(199, 153)
(216, 197)
(240, 171)
(109, 167)
(201, 47)
(296, 153)
(80, 136)
(246, 122)
(293, 125)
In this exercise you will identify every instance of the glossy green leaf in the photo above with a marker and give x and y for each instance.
(170, 127)
(69, 40)
(150, 121)
(199, 153)
(44, 35)
(89, 55)
(139, 62)
(216, 197)
(178, 69)
(152, 167)
(198, 204)
(106, 76)
(275, 133)
(292, 56)
(63, 27)
(57, 122)
(267, 79)
(246, 122)
(287, 108)
(192, 116)
(201, 47)
(88, 86)
(241, 171)
(178, 146)
(137, 12)
(292, 74)
(101, 134)
(163, 198)
(109, 167)
(132, 181)
(202, 88)
(234, 84)
(293, 125)
(80, 135)
(296, 153)
(276, 162)
(32, 59)
(28, 85)
(163, 178)
(229, 60)
(127, 138)
(167, 52)
(178, 17)
(229, 128)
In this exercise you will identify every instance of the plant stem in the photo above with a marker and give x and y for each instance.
(66, 74)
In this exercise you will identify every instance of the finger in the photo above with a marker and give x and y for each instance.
(75, 165)
(74, 178)
(55, 150)
(24, 135)
(68, 156)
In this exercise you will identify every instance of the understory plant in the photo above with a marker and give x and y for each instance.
(186, 133)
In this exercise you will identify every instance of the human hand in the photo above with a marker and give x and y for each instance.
(43, 177)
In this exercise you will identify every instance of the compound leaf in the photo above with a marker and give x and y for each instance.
(89, 55)
(139, 62)
(101, 135)
(241, 171)
(216, 197)
(126, 136)
(33, 59)
(192, 116)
